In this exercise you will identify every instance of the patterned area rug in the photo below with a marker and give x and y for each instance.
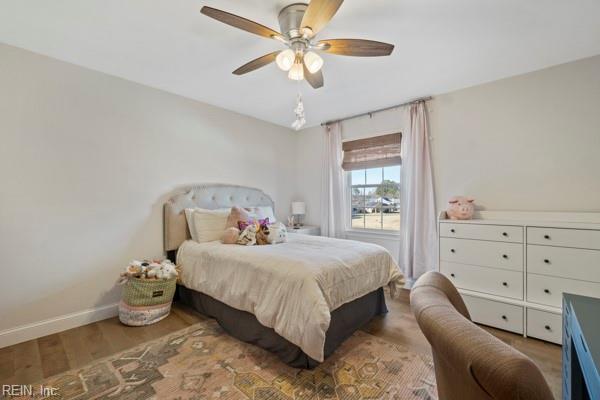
(203, 362)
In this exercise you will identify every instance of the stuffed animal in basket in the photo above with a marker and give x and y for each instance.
(167, 271)
(460, 207)
(135, 269)
(149, 270)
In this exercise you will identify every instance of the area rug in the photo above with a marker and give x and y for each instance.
(203, 362)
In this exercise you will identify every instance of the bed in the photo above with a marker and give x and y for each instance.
(299, 300)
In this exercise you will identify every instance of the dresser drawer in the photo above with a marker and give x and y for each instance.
(481, 252)
(548, 290)
(564, 262)
(486, 280)
(501, 233)
(494, 313)
(579, 238)
(544, 325)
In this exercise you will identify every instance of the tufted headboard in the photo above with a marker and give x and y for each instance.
(209, 196)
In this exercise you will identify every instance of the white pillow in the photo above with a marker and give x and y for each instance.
(206, 225)
(263, 212)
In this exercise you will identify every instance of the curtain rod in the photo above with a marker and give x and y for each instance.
(370, 113)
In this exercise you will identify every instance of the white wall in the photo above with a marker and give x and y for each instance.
(86, 162)
(530, 142)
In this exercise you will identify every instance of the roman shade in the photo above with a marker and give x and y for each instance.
(375, 152)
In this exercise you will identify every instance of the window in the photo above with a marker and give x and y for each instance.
(376, 198)
(373, 165)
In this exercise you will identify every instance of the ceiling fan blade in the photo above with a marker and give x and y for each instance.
(240, 22)
(319, 13)
(356, 47)
(315, 80)
(256, 63)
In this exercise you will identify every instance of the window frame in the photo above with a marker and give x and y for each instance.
(367, 231)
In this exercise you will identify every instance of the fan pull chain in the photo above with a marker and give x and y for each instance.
(299, 111)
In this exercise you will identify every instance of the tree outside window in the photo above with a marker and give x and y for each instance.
(376, 198)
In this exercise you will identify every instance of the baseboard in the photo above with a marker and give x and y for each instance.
(23, 333)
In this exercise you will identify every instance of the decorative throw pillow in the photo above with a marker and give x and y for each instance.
(208, 224)
(189, 212)
(230, 236)
(263, 212)
(237, 214)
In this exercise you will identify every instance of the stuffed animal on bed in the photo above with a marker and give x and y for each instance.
(248, 235)
(242, 224)
(255, 232)
(277, 233)
(262, 235)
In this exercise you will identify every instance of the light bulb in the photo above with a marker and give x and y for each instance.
(313, 62)
(285, 59)
(296, 72)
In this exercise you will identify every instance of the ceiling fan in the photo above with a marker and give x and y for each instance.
(300, 23)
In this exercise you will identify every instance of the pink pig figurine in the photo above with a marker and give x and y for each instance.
(460, 207)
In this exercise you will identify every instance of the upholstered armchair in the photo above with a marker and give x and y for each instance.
(470, 363)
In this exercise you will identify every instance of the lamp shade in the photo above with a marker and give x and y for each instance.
(313, 62)
(285, 59)
(298, 208)
(296, 72)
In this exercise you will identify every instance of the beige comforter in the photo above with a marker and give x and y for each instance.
(291, 287)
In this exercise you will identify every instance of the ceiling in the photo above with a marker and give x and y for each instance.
(441, 45)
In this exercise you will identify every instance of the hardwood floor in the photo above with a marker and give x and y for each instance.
(32, 361)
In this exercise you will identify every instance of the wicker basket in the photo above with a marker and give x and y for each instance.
(149, 292)
(146, 301)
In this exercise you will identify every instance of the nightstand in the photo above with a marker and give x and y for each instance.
(306, 230)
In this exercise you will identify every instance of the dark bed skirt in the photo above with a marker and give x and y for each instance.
(244, 326)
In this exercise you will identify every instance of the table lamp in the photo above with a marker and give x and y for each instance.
(298, 211)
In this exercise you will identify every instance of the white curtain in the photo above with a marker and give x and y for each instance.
(333, 193)
(417, 207)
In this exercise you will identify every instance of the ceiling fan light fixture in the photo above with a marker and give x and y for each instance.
(299, 24)
(296, 72)
(313, 62)
(285, 59)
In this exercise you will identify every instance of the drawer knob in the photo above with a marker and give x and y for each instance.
(547, 291)
(452, 230)
(546, 261)
(547, 327)
(546, 236)
(452, 275)
(505, 256)
(504, 284)
(504, 234)
(504, 317)
(452, 251)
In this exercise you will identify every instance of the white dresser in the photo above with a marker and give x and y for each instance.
(512, 267)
